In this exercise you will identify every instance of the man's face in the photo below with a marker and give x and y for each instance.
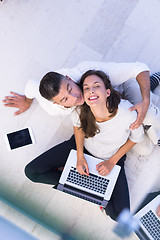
(70, 94)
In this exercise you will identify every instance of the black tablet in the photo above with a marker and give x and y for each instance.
(19, 138)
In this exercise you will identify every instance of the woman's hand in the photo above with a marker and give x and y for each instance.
(82, 166)
(105, 167)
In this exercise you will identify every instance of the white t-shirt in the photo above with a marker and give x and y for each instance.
(113, 133)
(117, 72)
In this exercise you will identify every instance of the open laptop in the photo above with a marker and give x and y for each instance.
(94, 188)
(149, 222)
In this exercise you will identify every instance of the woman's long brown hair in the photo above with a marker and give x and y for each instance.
(87, 119)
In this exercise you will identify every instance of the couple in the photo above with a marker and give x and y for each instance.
(106, 112)
(102, 128)
(131, 79)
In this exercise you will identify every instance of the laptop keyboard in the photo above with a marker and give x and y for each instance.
(152, 224)
(93, 182)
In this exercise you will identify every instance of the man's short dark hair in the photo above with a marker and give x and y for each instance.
(50, 85)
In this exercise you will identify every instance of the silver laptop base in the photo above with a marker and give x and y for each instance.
(82, 194)
(141, 234)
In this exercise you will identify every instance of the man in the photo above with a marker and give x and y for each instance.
(68, 94)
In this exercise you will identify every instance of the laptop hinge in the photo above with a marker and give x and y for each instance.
(82, 194)
(141, 234)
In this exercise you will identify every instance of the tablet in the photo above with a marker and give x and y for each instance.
(20, 138)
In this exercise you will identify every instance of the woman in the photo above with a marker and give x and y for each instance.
(102, 126)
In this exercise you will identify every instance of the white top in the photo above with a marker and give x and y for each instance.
(118, 73)
(113, 133)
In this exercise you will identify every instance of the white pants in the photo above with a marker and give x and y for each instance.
(132, 92)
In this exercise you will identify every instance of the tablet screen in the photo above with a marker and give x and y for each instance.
(19, 138)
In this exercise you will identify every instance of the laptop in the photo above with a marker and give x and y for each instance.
(93, 188)
(149, 222)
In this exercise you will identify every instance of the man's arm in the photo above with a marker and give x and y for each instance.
(18, 101)
(143, 80)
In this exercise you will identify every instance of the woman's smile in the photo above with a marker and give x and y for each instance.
(93, 98)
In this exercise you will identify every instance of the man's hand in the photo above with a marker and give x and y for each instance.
(141, 109)
(82, 166)
(105, 167)
(17, 101)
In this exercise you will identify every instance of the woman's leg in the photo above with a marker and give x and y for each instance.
(120, 196)
(43, 169)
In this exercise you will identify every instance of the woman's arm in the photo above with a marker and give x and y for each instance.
(82, 165)
(105, 167)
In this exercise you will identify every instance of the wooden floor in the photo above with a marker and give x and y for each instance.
(39, 36)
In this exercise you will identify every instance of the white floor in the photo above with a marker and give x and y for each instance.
(38, 36)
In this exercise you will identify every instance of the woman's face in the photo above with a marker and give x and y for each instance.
(94, 91)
